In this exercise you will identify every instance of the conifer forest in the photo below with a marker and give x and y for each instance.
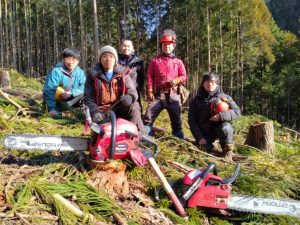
(254, 47)
(252, 44)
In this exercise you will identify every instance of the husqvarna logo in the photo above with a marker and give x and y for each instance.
(121, 147)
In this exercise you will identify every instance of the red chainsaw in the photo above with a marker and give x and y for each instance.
(201, 188)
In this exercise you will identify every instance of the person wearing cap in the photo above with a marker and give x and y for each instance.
(109, 87)
(128, 58)
(64, 84)
(210, 114)
(165, 73)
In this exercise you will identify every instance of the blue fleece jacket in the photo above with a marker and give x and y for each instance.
(59, 76)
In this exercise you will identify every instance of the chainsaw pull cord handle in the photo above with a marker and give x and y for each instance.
(150, 141)
(198, 182)
(112, 117)
(231, 179)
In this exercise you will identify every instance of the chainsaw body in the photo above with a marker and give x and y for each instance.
(211, 193)
(124, 141)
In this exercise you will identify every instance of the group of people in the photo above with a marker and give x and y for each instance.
(116, 83)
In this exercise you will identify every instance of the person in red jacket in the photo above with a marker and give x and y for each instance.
(165, 73)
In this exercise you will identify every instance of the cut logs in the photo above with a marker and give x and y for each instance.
(261, 136)
(4, 78)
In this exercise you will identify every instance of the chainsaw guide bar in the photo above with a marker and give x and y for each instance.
(265, 205)
(45, 142)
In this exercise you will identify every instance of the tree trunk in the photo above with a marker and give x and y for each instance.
(30, 41)
(70, 24)
(124, 19)
(19, 55)
(157, 25)
(261, 136)
(221, 48)
(1, 37)
(241, 102)
(138, 28)
(7, 48)
(37, 46)
(13, 33)
(27, 37)
(96, 32)
(55, 31)
(208, 37)
(82, 39)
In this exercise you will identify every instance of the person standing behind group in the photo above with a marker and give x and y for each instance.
(129, 59)
(64, 83)
(109, 87)
(165, 73)
(210, 114)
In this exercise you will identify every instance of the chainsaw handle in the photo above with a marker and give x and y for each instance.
(112, 146)
(150, 141)
(209, 167)
(231, 179)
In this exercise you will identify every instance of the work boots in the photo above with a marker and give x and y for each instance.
(228, 151)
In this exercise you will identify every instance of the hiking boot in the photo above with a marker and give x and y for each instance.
(178, 133)
(228, 151)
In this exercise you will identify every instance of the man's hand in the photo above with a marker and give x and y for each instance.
(173, 83)
(98, 117)
(215, 118)
(202, 141)
(150, 96)
(126, 100)
(65, 95)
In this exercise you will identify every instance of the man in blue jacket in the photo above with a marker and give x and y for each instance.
(64, 83)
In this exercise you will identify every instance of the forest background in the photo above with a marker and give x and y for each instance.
(256, 53)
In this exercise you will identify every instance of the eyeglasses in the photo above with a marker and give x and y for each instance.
(211, 81)
(70, 59)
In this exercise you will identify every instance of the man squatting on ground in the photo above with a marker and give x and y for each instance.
(64, 83)
(210, 114)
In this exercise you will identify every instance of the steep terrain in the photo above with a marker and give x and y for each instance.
(32, 183)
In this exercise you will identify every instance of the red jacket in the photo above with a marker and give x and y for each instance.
(162, 69)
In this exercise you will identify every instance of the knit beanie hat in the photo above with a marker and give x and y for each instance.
(109, 49)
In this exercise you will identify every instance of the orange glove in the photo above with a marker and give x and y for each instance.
(174, 82)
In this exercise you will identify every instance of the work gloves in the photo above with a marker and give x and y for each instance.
(126, 100)
(173, 83)
(98, 117)
(65, 95)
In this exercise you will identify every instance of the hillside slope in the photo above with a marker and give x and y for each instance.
(30, 181)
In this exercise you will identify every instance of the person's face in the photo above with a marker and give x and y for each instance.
(71, 63)
(210, 85)
(167, 47)
(107, 60)
(127, 48)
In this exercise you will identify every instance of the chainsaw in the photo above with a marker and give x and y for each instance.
(120, 139)
(200, 188)
(113, 139)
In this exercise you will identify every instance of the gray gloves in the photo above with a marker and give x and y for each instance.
(98, 117)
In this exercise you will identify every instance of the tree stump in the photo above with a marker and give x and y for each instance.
(4, 78)
(109, 176)
(261, 136)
